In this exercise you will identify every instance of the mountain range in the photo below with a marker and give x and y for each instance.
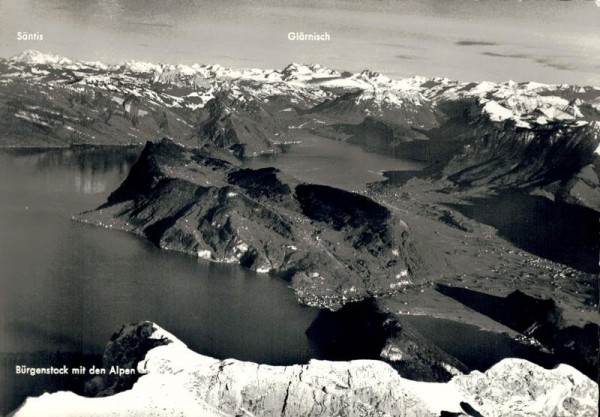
(180, 99)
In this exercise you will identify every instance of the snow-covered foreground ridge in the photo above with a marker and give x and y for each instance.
(527, 104)
(179, 382)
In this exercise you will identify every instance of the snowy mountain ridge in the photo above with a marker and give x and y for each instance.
(524, 103)
(57, 101)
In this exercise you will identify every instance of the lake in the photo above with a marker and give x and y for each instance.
(477, 348)
(319, 160)
(68, 285)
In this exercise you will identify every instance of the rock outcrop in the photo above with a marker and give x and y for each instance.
(241, 126)
(583, 189)
(126, 349)
(504, 155)
(334, 246)
(179, 382)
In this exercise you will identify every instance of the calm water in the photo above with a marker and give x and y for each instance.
(66, 286)
(478, 349)
(319, 160)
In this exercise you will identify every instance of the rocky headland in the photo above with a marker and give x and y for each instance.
(334, 246)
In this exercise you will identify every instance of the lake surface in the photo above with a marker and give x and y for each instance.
(319, 160)
(477, 348)
(67, 285)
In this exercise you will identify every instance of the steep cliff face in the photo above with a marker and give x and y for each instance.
(503, 155)
(583, 189)
(177, 381)
(333, 245)
(126, 349)
(241, 125)
(473, 148)
(523, 139)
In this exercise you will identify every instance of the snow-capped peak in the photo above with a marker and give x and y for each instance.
(34, 57)
(373, 77)
(142, 67)
(527, 104)
(524, 103)
(303, 72)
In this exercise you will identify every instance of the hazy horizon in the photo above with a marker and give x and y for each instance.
(543, 40)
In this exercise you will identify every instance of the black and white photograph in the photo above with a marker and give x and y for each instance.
(289, 208)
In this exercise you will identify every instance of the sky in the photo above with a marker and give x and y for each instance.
(530, 40)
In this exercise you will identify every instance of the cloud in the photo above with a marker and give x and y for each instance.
(407, 57)
(475, 43)
(400, 45)
(545, 61)
(515, 56)
(155, 24)
(548, 63)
